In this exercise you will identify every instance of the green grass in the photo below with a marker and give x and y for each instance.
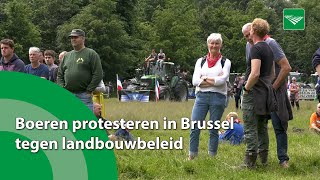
(172, 164)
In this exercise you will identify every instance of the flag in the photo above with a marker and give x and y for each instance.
(157, 90)
(119, 85)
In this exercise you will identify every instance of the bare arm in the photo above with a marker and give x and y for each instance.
(273, 72)
(254, 74)
(285, 68)
(318, 69)
(298, 89)
(294, 88)
(313, 125)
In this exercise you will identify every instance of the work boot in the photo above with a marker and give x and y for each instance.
(249, 161)
(263, 155)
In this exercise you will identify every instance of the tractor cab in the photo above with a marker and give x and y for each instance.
(171, 86)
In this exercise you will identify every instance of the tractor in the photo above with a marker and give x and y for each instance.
(171, 84)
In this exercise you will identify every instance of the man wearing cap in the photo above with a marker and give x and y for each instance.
(80, 71)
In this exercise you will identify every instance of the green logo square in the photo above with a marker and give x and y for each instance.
(293, 19)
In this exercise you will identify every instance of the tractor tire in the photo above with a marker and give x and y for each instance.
(152, 96)
(181, 91)
(166, 96)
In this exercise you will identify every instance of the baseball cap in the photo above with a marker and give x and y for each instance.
(77, 32)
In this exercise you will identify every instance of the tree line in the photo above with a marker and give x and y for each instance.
(123, 32)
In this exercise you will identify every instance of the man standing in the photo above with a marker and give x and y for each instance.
(36, 68)
(10, 61)
(41, 58)
(49, 56)
(61, 55)
(259, 75)
(316, 61)
(80, 72)
(284, 114)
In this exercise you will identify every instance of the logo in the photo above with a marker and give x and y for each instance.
(80, 60)
(293, 19)
(135, 97)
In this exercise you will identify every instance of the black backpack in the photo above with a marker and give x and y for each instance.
(204, 58)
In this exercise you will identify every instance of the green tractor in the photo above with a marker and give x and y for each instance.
(172, 86)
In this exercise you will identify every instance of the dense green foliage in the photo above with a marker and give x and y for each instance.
(123, 32)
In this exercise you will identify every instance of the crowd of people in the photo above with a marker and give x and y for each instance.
(80, 72)
(266, 73)
(267, 69)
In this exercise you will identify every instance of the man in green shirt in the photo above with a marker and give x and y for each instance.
(80, 71)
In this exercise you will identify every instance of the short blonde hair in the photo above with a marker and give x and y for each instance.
(260, 27)
(232, 114)
(214, 37)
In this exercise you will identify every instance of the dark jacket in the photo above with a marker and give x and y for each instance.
(284, 107)
(265, 100)
(316, 59)
(15, 64)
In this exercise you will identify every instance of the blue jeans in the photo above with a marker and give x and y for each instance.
(124, 134)
(215, 104)
(280, 129)
(85, 98)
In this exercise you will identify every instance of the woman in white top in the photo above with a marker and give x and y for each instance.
(210, 75)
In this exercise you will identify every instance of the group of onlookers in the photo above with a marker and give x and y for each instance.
(264, 83)
(264, 96)
(79, 70)
(264, 88)
(42, 64)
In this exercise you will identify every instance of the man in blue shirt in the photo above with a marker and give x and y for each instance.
(36, 68)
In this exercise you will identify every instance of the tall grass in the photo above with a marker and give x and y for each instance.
(304, 147)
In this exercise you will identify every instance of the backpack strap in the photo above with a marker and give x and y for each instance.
(204, 58)
(223, 60)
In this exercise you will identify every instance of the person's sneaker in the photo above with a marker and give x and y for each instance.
(284, 164)
(190, 157)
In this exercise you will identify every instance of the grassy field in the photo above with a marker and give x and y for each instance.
(172, 164)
